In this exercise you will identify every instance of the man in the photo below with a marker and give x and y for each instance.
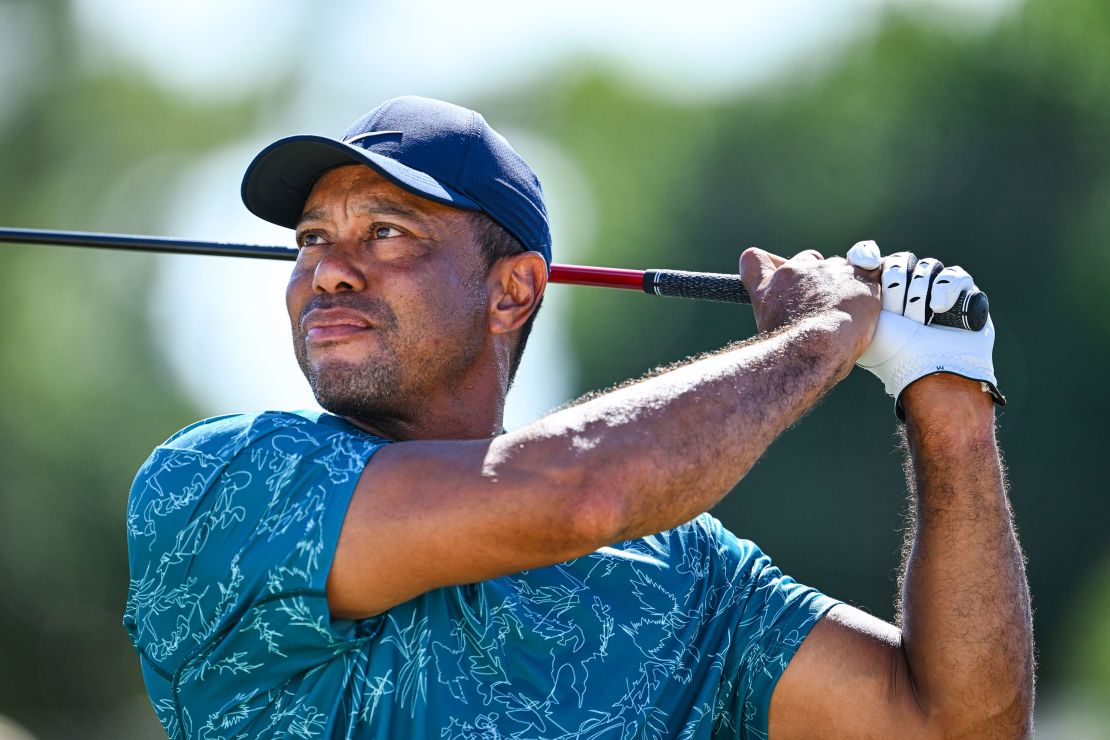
(401, 567)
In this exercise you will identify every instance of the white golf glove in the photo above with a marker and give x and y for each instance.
(904, 348)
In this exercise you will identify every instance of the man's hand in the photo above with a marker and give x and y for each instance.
(904, 350)
(784, 291)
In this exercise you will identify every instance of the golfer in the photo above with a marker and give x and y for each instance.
(399, 566)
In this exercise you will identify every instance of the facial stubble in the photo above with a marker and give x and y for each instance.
(411, 362)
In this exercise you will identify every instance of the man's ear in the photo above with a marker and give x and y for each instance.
(516, 284)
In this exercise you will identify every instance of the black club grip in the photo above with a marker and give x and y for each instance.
(706, 286)
(970, 311)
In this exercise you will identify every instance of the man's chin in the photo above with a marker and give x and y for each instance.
(349, 389)
(337, 383)
(342, 402)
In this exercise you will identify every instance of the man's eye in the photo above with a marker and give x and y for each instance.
(308, 240)
(385, 232)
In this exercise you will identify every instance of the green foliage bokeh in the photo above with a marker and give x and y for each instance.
(986, 149)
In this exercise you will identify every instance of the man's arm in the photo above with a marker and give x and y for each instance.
(962, 663)
(632, 462)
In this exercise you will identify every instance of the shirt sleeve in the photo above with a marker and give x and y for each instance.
(232, 528)
(772, 614)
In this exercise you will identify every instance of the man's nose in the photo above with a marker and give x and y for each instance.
(338, 272)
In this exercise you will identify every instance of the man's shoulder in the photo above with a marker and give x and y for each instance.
(255, 460)
(224, 436)
(203, 434)
(254, 442)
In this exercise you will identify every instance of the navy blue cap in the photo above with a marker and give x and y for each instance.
(434, 149)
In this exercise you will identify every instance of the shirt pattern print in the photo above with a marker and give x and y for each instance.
(232, 526)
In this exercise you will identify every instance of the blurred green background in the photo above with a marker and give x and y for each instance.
(984, 144)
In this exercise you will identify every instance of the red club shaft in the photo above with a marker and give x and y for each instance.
(602, 277)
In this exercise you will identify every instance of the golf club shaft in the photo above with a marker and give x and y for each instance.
(970, 311)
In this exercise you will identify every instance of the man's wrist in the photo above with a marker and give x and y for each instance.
(949, 405)
(833, 335)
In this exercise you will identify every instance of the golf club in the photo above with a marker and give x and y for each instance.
(969, 312)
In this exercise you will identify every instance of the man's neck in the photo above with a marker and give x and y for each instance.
(470, 407)
(470, 425)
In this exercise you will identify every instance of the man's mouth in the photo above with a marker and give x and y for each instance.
(321, 325)
(323, 332)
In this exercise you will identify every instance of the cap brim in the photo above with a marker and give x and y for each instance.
(278, 181)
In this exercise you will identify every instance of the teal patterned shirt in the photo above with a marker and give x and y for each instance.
(232, 524)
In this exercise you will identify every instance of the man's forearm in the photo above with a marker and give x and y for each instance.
(966, 620)
(658, 452)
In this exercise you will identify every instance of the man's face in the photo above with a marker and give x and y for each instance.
(387, 300)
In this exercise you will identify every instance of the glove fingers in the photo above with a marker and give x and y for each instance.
(950, 282)
(865, 255)
(905, 349)
(917, 293)
(896, 271)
